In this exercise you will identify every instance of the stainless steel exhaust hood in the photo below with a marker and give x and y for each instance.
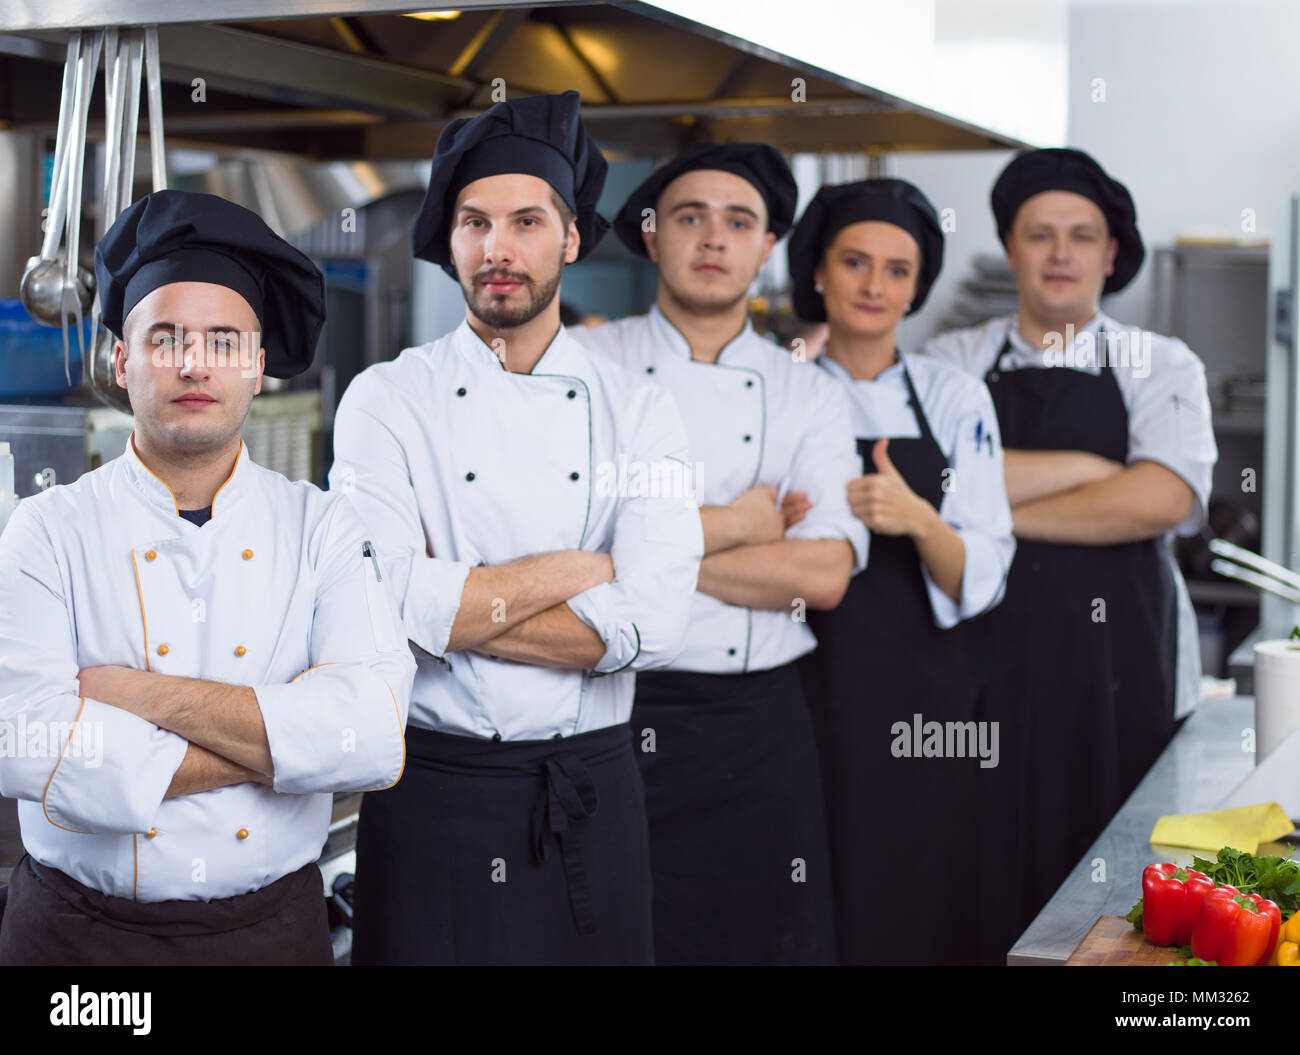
(323, 80)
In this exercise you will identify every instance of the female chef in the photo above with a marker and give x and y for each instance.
(901, 757)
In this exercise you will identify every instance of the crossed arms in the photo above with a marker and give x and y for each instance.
(575, 609)
(164, 736)
(1075, 497)
(518, 610)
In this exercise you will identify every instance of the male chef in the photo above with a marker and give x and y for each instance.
(540, 527)
(737, 827)
(1109, 448)
(194, 651)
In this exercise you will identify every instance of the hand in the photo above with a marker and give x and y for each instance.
(884, 502)
(794, 507)
(764, 521)
(114, 685)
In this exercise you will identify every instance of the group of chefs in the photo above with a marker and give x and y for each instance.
(656, 642)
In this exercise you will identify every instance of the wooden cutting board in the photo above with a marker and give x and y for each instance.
(1112, 942)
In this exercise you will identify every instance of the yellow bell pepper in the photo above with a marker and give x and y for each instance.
(1288, 943)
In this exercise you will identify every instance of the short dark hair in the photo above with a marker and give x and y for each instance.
(567, 215)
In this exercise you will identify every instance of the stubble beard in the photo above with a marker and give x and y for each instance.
(492, 310)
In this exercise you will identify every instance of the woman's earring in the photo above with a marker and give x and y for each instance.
(818, 287)
(907, 307)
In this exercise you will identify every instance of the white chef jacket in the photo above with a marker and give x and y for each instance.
(1168, 419)
(965, 426)
(454, 461)
(757, 416)
(272, 592)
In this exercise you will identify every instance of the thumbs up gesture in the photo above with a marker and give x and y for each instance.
(880, 455)
(883, 501)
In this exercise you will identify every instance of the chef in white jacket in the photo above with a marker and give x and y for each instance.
(194, 651)
(541, 528)
(863, 256)
(737, 828)
(1109, 449)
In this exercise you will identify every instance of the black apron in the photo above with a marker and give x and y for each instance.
(737, 831)
(1086, 704)
(900, 827)
(53, 920)
(506, 852)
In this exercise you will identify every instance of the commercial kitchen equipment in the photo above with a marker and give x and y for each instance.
(308, 103)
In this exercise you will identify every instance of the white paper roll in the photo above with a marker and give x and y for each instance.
(1277, 694)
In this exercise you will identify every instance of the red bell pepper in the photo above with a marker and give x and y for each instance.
(1171, 899)
(1236, 929)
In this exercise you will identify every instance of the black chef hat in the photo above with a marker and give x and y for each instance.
(538, 135)
(183, 236)
(760, 164)
(1033, 171)
(836, 206)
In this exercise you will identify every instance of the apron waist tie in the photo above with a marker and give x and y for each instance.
(565, 801)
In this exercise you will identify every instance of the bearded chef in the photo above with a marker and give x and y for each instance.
(197, 651)
(737, 827)
(499, 468)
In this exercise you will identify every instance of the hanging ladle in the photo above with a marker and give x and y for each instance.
(41, 290)
(53, 301)
(137, 49)
(121, 76)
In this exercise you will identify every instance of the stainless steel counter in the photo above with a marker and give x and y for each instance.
(1200, 766)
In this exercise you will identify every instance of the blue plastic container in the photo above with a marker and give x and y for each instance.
(31, 355)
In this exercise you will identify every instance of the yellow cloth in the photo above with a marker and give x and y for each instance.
(1243, 828)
